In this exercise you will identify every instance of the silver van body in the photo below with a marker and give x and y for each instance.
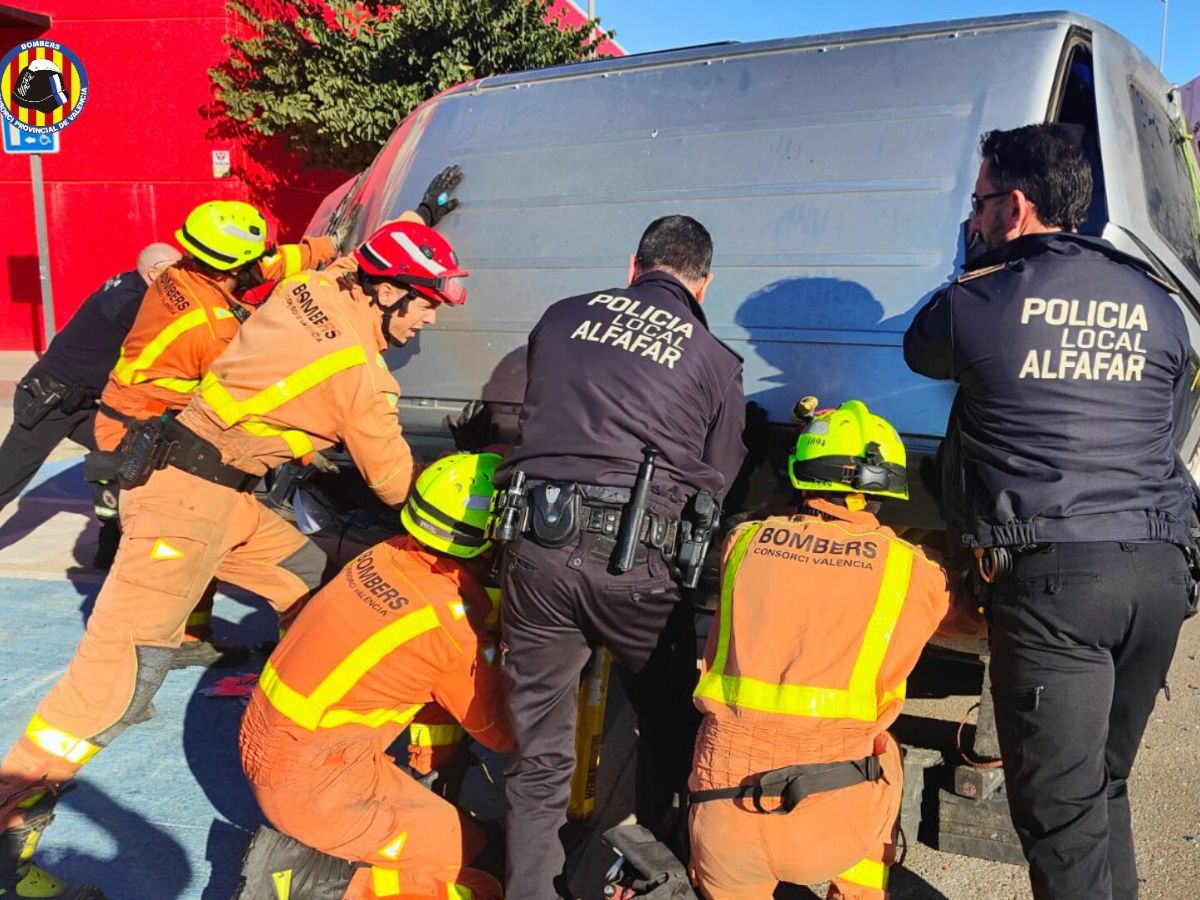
(833, 171)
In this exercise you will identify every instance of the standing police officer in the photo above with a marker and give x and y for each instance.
(1060, 468)
(610, 374)
(57, 397)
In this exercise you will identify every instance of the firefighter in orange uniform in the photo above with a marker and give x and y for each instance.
(407, 623)
(822, 616)
(187, 318)
(305, 372)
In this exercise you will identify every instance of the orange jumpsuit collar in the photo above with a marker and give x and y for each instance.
(861, 518)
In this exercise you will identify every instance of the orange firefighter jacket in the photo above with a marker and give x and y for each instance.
(186, 319)
(397, 629)
(820, 623)
(304, 373)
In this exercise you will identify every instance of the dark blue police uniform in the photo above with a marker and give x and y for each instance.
(61, 389)
(608, 374)
(1074, 372)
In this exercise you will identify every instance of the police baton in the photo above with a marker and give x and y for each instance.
(628, 537)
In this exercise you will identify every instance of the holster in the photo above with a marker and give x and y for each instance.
(142, 450)
(77, 397)
(554, 513)
(47, 396)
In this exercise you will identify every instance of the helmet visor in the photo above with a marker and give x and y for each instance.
(447, 287)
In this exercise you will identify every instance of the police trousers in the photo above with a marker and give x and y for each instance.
(558, 605)
(1082, 638)
(25, 449)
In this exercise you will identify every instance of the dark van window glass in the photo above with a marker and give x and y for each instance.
(1169, 194)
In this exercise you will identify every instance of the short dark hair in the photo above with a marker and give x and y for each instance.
(678, 243)
(1047, 165)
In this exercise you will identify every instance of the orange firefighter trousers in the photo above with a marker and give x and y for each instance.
(739, 853)
(340, 793)
(179, 532)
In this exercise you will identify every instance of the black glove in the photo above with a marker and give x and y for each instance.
(473, 429)
(437, 201)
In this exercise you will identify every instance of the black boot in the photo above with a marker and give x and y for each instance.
(19, 877)
(276, 867)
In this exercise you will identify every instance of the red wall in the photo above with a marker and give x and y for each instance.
(138, 157)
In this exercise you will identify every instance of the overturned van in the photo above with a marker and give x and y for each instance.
(834, 173)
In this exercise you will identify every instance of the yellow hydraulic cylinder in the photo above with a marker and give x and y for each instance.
(589, 734)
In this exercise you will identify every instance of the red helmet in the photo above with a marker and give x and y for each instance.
(416, 256)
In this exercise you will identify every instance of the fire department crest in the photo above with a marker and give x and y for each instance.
(43, 86)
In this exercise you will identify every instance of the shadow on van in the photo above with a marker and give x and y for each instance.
(807, 333)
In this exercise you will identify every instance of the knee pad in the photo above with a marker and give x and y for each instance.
(308, 564)
(277, 867)
(153, 663)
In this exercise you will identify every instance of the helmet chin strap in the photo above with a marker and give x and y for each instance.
(400, 306)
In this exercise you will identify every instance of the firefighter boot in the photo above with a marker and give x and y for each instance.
(276, 867)
(198, 647)
(19, 877)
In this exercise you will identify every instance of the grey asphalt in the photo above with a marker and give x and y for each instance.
(165, 813)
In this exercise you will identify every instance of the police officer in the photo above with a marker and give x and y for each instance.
(611, 373)
(1060, 468)
(57, 397)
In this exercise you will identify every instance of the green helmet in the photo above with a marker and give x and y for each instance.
(852, 450)
(449, 507)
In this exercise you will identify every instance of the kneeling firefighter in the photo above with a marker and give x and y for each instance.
(407, 623)
(303, 373)
(822, 617)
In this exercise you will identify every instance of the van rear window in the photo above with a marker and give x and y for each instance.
(1173, 205)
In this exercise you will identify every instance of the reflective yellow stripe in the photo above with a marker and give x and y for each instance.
(292, 259)
(282, 881)
(129, 372)
(859, 699)
(376, 718)
(298, 442)
(199, 618)
(178, 385)
(385, 882)
(422, 735)
(248, 413)
(459, 892)
(867, 873)
(287, 388)
(313, 711)
(59, 743)
(393, 850)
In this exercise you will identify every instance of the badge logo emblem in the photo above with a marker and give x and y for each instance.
(43, 86)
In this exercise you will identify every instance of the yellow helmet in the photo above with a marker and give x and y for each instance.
(849, 449)
(450, 504)
(225, 234)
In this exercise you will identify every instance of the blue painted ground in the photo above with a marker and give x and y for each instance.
(165, 812)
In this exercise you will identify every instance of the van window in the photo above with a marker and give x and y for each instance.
(1077, 111)
(1171, 200)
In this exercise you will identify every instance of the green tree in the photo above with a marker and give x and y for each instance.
(336, 76)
